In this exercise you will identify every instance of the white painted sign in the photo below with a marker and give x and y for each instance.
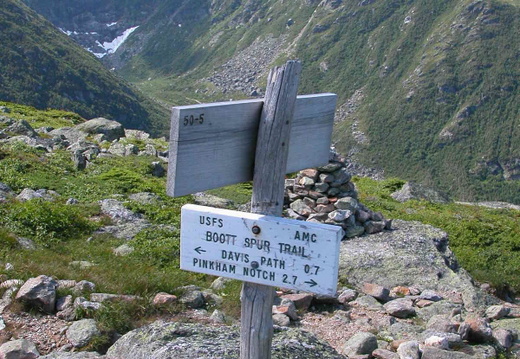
(213, 145)
(260, 249)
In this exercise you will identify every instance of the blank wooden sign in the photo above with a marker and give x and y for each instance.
(213, 145)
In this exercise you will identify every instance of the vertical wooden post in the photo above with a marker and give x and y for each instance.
(268, 191)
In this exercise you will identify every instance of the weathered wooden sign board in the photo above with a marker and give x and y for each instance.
(260, 249)
(213, 145)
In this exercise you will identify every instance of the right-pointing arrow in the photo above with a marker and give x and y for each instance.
(312, 283)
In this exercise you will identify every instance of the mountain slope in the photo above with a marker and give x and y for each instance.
(42, 67)
(428, 90)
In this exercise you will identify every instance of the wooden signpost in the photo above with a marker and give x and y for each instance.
(213, 145)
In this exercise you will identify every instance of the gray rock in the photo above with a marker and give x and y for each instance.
(84, 286)
(192, 298)
(479, 330)
(496, 312)
(330, 167)
(220, 283)
(80, 162)
(301, 208)
(204, 199)
(375, 290)
(339, 215)
(123, 250)
(430, 295)
(409, 350)
(78, 355)
(117, 149)
(384, 354)
(144, 198)
(454, 340)
(354, 231)
(281, 320)
(39, 292)
(347, 295)
(321, 187)
(84, 304)
(360, 343)
(368, 302)
(437, 308)
(26, 243)
(503, 337)
(19, 349)
(2, 323)
(82, 332)
(5, 192)
(21, 128)
(131, 149)
(435, 353)
(63, 303)
(28, 194)
(107, 297)
(400, 308)
(341, 176)
(71, 135)
(436, 341)
(111, 130)
(117, 211)
(413, 255)
(412, 190)
(401, 331)
(348, 203)
(306, 182)
(218, 317)
(442, 323)
(149, 150)
(159, 340)
(372, 227)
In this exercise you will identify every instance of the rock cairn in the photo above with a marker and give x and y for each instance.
(327, 195)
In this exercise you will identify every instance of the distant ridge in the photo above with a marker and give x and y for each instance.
(42, 67)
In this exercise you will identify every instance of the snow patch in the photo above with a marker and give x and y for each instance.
(111, 47)
(112, 24)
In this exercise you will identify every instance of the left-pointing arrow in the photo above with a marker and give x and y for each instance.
(199, 250)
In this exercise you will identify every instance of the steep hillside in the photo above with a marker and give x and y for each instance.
(429, 89)
(42, 67)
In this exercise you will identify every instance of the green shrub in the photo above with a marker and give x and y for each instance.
(157, 246)
(47, 222)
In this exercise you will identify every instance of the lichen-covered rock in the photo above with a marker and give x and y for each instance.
(360, 343)
(80, 355)
(111, 130)
(82, 332)
(414, 254)
(412, 190)
(188, 340)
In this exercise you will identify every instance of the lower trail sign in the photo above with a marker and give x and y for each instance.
(213, 145)
(260, 249)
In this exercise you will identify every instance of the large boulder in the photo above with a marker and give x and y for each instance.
(19, 349)
(162, 340)
(39, 292)
(111, 130)
(412, 190)
(77, 355)
(413, 255)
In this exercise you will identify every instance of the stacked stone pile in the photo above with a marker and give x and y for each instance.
(326, 195)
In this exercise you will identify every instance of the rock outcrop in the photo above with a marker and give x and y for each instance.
(186, 341)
